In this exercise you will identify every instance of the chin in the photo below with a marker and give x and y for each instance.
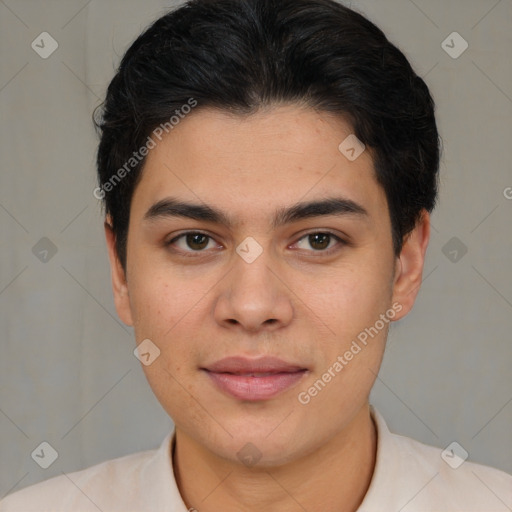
(265, 442)
(260, 452)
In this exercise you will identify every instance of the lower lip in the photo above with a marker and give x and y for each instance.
(255, 388)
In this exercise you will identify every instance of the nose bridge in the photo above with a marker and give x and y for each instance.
(253, 296)
(252, 270)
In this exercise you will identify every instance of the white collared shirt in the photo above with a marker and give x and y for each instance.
(408, 477)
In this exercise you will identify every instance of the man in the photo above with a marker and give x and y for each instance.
(268, 168)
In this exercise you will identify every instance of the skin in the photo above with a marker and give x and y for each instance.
(294, 302)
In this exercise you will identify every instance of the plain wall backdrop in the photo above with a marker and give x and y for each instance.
(68, 375)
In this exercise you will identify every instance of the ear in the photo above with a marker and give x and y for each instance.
(119, 284)
(409, 265)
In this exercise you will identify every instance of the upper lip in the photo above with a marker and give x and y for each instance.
(242, 365)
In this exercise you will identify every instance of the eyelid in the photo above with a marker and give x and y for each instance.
(341, 242)
(174, 239)
(189, 232)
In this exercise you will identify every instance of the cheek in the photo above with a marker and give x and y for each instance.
(350, 298)
(168, 310)
(161, 302)
(166, 314)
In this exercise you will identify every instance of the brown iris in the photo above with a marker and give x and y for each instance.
(197, 241)
(319, 240)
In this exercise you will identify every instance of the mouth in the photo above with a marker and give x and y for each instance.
(254, 379)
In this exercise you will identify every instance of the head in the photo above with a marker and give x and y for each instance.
(239, 222)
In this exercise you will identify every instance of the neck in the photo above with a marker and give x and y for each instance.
(334, 477)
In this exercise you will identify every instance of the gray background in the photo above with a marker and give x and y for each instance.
(67, 371)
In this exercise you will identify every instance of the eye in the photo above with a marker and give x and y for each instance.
(320, 242)
(192, 241)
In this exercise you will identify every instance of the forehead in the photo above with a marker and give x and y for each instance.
(250, 164)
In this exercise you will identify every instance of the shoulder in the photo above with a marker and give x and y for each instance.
(452, 481)
(81, 490)
(421, 477)
(113, 485)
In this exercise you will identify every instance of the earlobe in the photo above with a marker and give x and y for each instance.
(119, 282)
(409, 266)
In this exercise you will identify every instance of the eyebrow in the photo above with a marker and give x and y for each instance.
(171, 207)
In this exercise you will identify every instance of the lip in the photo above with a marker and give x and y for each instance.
(254, 379)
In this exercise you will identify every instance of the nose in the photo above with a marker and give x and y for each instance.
(254, 297)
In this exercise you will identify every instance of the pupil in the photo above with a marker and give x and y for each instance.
(194, 241)
(321, 239)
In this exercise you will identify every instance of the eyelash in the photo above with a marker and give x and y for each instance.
(320, 252)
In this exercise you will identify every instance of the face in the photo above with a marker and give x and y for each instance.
(260, 264)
